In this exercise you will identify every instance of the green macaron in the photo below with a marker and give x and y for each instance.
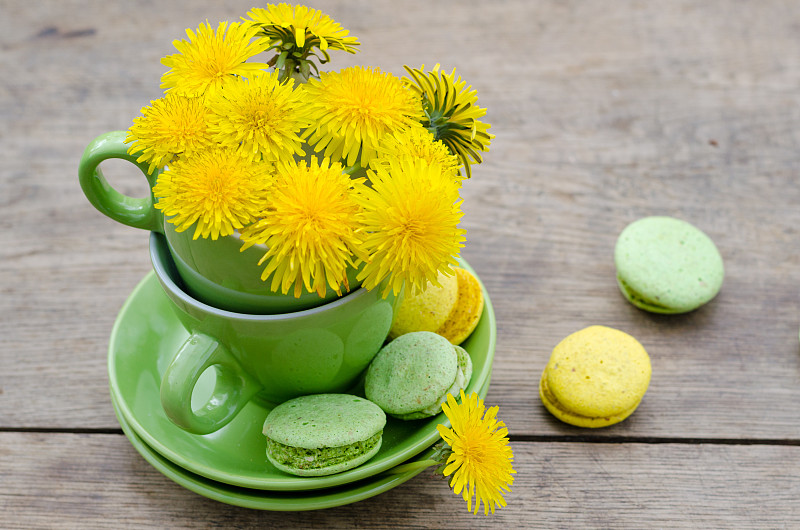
(411, 376)
(666, 265)
(322, 434)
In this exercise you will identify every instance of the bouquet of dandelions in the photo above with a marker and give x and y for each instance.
(327, 170)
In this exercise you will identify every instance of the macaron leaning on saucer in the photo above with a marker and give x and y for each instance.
(428, 310)
(411, 376)
(451, 309)
(464, 317)
(595, 377)
(666, 265)
(322, 434)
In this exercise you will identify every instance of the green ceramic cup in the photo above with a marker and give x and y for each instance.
(215, 272)
(270, 358)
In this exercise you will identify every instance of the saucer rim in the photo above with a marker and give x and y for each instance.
(261, 499)
(287, 483)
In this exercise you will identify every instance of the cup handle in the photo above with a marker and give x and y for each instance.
(233, 389)
(135, 212)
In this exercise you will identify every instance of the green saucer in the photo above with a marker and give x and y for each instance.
(145, 336)
(272, 500)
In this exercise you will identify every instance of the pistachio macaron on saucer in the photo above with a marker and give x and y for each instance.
(595, 377)
(411, 376)
(409, 379)
(323, 434)
(666, 265)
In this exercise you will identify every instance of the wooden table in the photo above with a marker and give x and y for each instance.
(604, 112)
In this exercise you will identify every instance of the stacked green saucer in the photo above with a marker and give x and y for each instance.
(230, 465)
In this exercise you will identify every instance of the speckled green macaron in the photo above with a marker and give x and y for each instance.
(411, 376)
(322, 434)
(666, 265)
(463, 375)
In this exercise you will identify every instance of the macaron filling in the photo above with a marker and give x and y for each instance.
(301, 458)
(642, 302)
(323, 434)
(551, 401)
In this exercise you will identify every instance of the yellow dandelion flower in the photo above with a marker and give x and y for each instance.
(353, 109)
(411, 215)
(210, 59)
(217, 188)
(451, 113)
(480, 459)
(309, 226)
(262, 116)
(294, 32)
(170, 126)
(302, 27)
(417, 142)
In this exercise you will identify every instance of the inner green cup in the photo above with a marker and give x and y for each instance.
(219, 274)
(270, 358)
(215, 272)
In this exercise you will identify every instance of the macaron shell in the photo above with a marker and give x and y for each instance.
(637, 300)
(426, 311)
(464, 365)
(666, 265)
(596, 373)
(324, 420)
(553, 406)
(411, 372)
(466, 313)
(463, 376)
(329, 470)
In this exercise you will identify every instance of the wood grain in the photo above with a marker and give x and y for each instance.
(603, 113)
(598, 122)
(100, 481)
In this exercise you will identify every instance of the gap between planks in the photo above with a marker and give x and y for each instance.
(547, 438)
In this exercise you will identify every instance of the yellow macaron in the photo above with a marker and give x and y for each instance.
(428, 310)
(466, 313)
(451, 310)
(595, 377)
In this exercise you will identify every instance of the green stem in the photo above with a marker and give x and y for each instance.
(412, 466)
(356, 171)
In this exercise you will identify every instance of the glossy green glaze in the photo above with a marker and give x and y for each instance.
(135, 212)
(146, 335)
(273, 500)
(270, 357)
(216, 272)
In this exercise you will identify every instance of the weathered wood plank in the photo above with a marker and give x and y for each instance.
(602, 115)
(100, 481)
